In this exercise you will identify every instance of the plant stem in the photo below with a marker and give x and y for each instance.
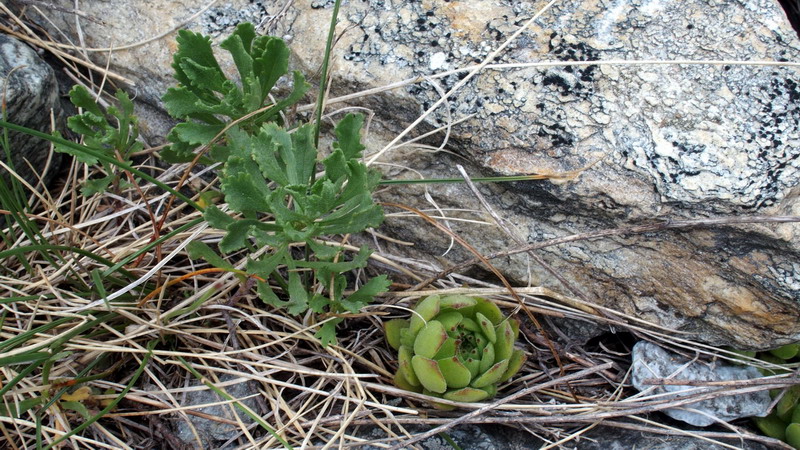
(323, 83)
(530, 177)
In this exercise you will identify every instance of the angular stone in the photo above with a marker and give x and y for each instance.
(214, 433)
(653, 362)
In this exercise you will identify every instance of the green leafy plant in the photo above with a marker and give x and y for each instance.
(113, 131)
(270, 177)
(457, 348)
(208, 101)
(273, 172)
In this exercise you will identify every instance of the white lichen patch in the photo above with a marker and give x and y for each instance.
(438, 61)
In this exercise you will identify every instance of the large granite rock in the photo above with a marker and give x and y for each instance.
(660, 141)
(30, 93)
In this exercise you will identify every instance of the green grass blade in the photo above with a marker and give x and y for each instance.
(80, 379)
(16, 187)
(14, 200)
(195, 304)
(62, 248)
(20, 376)
(449, 441)
(9, 300)
(98, 284)
(16, 341)
(19, 252)
(24, 405)
(17, 212)
(31, 357)
(11, 343)
(323, 83)
(461, 180)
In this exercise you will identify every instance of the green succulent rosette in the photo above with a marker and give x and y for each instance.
(455, 347)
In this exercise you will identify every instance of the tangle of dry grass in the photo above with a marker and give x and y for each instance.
(84, 319)
(312, 396)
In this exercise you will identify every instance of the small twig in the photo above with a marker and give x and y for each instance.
(705, 434)
(155, 292)
(136, 398)
(577, 359)
(65, 57)
(676, 400)
(771, 381)
(609, 423)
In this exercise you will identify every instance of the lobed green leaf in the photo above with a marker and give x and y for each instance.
(201, 250)
(366, 293)
(243, 191)
(195, 133)
(96, 185)
(196, 48)
(271, 62)
(327, 332)
(348, 135)
(238, 44)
